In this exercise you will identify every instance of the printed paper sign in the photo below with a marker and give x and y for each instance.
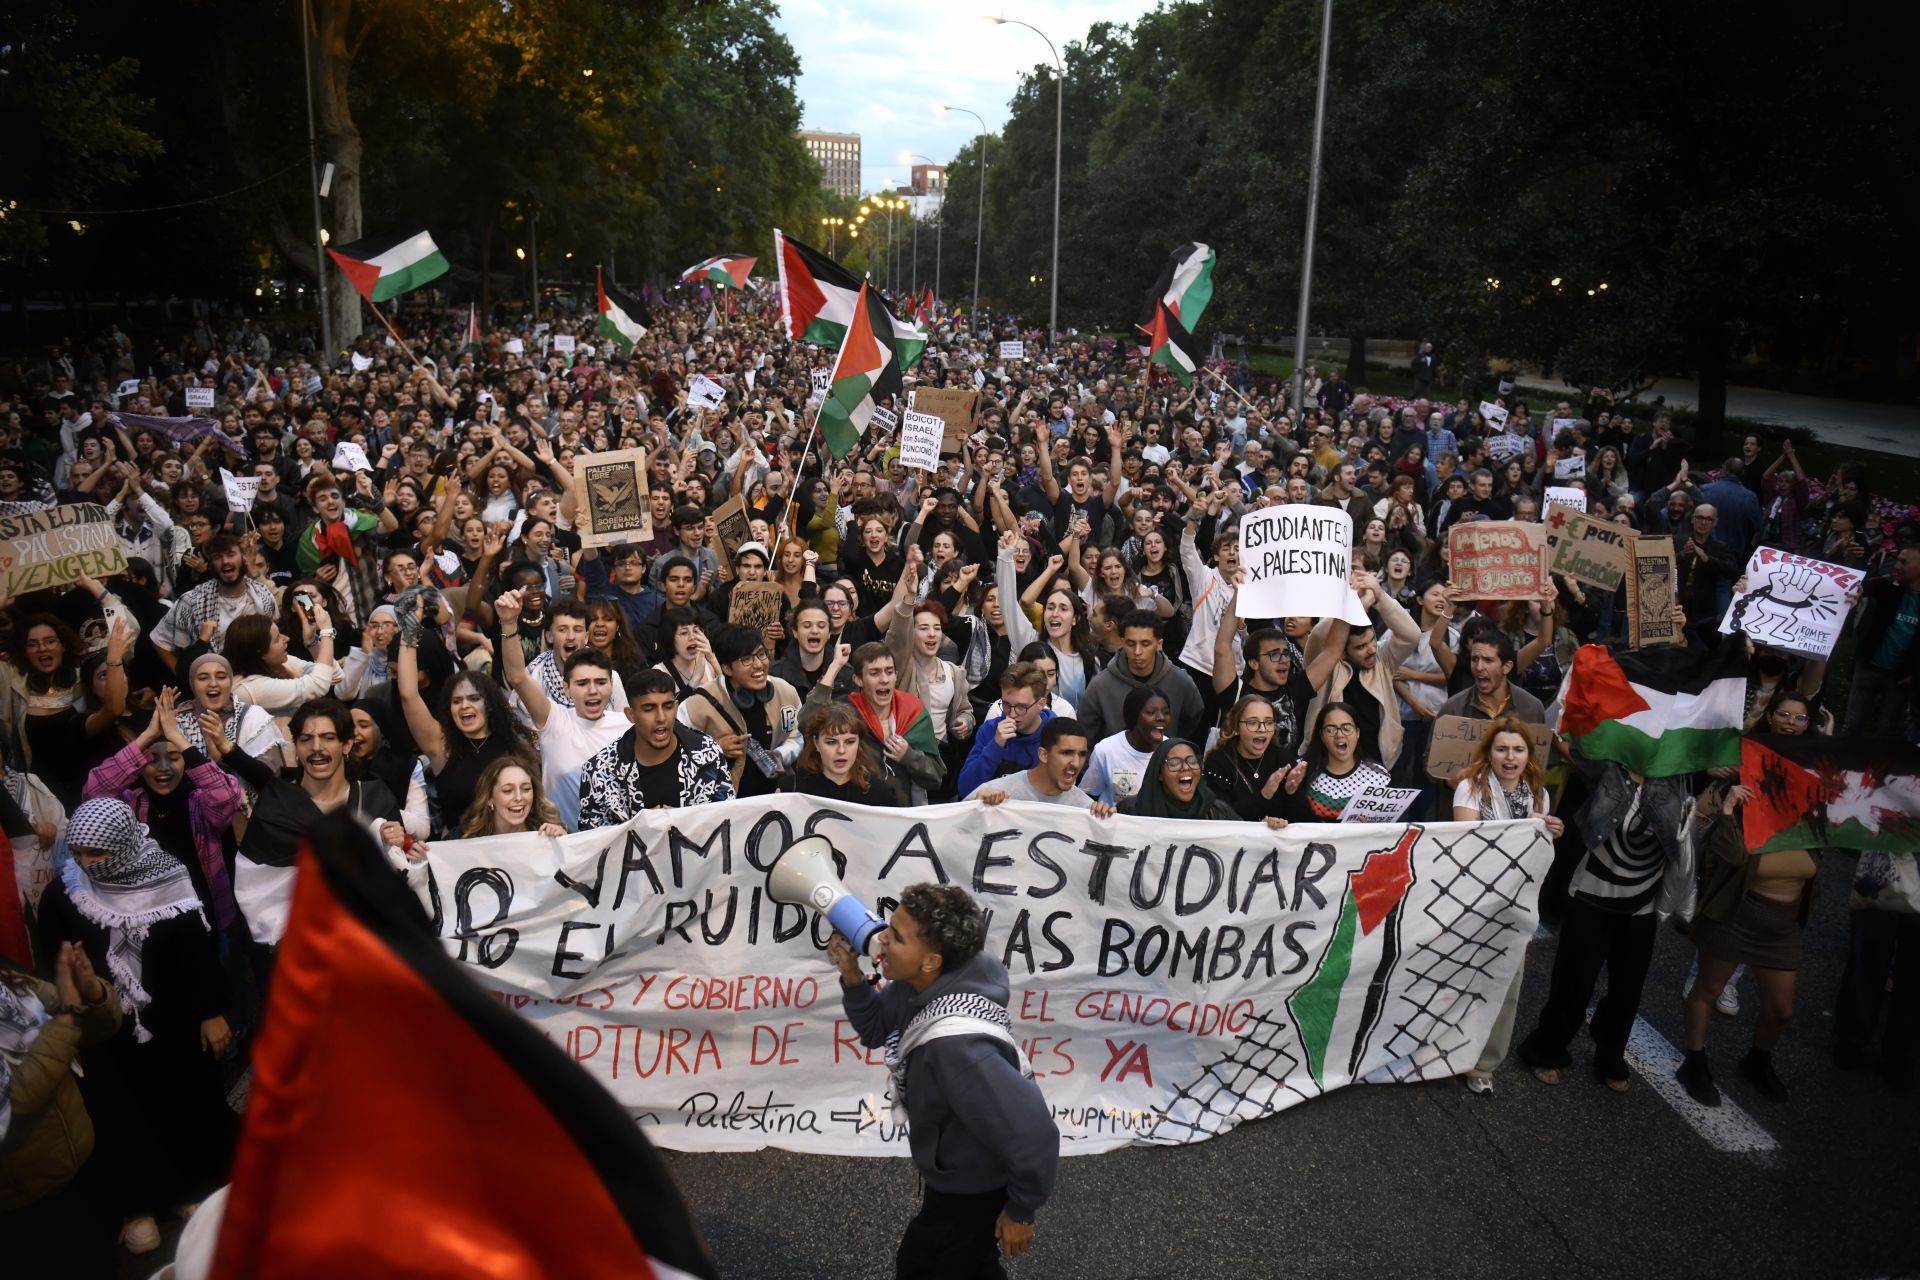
(1295, 560)
(1651, 592)
(1454, 738)
(542, 327)
(1567, 497)
(920, 435)
(612, 492)
(241, 490)
(1499, 559)
(822, 379)
(516, 346)
(1380, 804)
(704, 393)
(1793, 602)
(1013, 350)
(1571, 467)
(59, 545)
(361, 363)
(1504, 446)
(885, 419)
(1587, 549)
(199, 397)
(563, 342)
(128, 388)
(653, 956)
(1562, 424)
(1493, 415)
(348, 456)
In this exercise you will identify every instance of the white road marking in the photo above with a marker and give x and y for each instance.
(1725, 1127)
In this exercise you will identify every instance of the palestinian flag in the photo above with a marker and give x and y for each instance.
(623, 317)
(473, 327)
(324, 541)
(1811, 792)
(816, 302)
(383, 267)
(727, 271)
(858, 374)
(1658, 712)
(1185, 286)
(910, 721)
(1338, 1009)
(1170, 346)
(403, 1121)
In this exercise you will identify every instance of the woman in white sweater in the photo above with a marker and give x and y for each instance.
(266, 676)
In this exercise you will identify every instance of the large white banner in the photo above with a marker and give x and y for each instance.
(1170, 979)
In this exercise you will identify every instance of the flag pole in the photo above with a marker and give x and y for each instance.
(794, 490)
(402, 342)
(1227, 386)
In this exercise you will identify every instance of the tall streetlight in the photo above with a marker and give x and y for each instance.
(980, 222)
(313, 173)
(1313, 208)
(833, 226)
(907, 158)
(1059, 125)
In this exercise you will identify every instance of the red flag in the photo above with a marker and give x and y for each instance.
(403, 1122)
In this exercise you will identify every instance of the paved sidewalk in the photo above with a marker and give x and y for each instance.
(1853, 424)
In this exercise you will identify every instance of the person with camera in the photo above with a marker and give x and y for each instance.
(983, 1137)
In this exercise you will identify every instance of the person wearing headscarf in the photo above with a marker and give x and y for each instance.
(376, 754)
(165, 1132)
(1171, 786)
(210, 684)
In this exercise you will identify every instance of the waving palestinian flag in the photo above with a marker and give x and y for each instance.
(383, 267)
(1185, 286)
(622, 316)
(1170, 346)
(324, 541)
(1338, 1009)
(1811, 792)
(816, 302)
(473, 327)
(726, 271)
(858, 375)
(1658, 712)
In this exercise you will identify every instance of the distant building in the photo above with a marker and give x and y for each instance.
(929, 179)
(839, 158)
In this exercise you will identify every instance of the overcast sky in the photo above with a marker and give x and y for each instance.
(877, 67)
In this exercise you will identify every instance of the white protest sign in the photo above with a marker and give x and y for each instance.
(314, 384)
(130, 387)
(704, 393)
(884, 418)
(199, 397)
(1294, 562)
(542, 327)
(1013, 350)
(1562, 424)
(821, 377)
(348, 456)
(750, 373)
(241, 490)
(1567, 496)
(1504, 445)
(1793, 602)
(516, 346)
(1211, 955)
(1492, 414)
(563, 342)
(1380, 804)
(920, 440)
(361, 363)
(1573, 467)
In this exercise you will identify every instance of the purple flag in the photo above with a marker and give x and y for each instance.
(186, 431)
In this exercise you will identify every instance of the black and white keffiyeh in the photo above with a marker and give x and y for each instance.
(21, 1018)
(188, 718)
(138, 885)
(961, 1014)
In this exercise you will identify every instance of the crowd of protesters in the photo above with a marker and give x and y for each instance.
(416, 637)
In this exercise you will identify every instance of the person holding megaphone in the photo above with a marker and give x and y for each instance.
(982, 1135)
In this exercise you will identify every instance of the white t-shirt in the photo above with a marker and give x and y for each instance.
(567, 742)
(1115, 770)
(1492, 810)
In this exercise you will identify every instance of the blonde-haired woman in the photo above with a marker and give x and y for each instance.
(508, 800)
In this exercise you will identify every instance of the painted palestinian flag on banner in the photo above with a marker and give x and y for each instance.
(1658, 712)
(1335, 1013)
(858, 372)
(816, 302)
(623, 317)
(383, 267)
(724, 271)
(390, 1090)
(1185, 286)
(1811, 792)
(1170, 346)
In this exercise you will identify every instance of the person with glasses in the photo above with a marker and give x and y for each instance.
(753, 714)
(1340, 763)
(1010, 741)
(1248, 766)
(1174, 788)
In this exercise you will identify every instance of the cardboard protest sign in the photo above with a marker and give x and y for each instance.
(704, 393)
(1567, 496)
(603, 940)
(1498, 559)
(199, 397)
(920, 437)
(59, 545)
(1493, 415)
(1793, 602)
(1651, 587)
(1587, 549)
(952, 406)
(1454, 738)
(612, 491)
(732, 524)
(756, 605)
(348, 456)
(1295, 560)
(1380, 804)
(1013, 350)
(1504, 446)
(241, 490)
(1571, 467)
(563, 342)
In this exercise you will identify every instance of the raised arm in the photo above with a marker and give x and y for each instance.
(1224, 670)
(513, 663)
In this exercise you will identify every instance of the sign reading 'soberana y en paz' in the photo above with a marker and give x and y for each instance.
(1294, 562)
(1498, 559)
(59, 545)
(612, 489)
(1170, 979)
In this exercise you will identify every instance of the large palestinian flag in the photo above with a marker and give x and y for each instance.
(1170, 346)
(1811, 792)
(404, 1122)
(724, 271)
(859, 369)
(1338, 1009)
(1185, 286)
(383, 267)
(1658, 712)
(623, 317)
(816, 302)
(323, 541)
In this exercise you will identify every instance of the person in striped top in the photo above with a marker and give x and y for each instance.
(1341, 762)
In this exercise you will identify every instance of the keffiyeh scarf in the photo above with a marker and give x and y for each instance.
(21, 1018)
(138, 885)
(960, 1014)
(188, 719)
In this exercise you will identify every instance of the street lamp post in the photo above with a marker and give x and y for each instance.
(980, 222)
(1313, 208)
(1059, 126)
(313, 173)
(938, 223)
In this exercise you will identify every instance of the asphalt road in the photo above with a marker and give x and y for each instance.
(1853, 424)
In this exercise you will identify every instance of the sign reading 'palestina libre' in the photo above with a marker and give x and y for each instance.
(1170, 979)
